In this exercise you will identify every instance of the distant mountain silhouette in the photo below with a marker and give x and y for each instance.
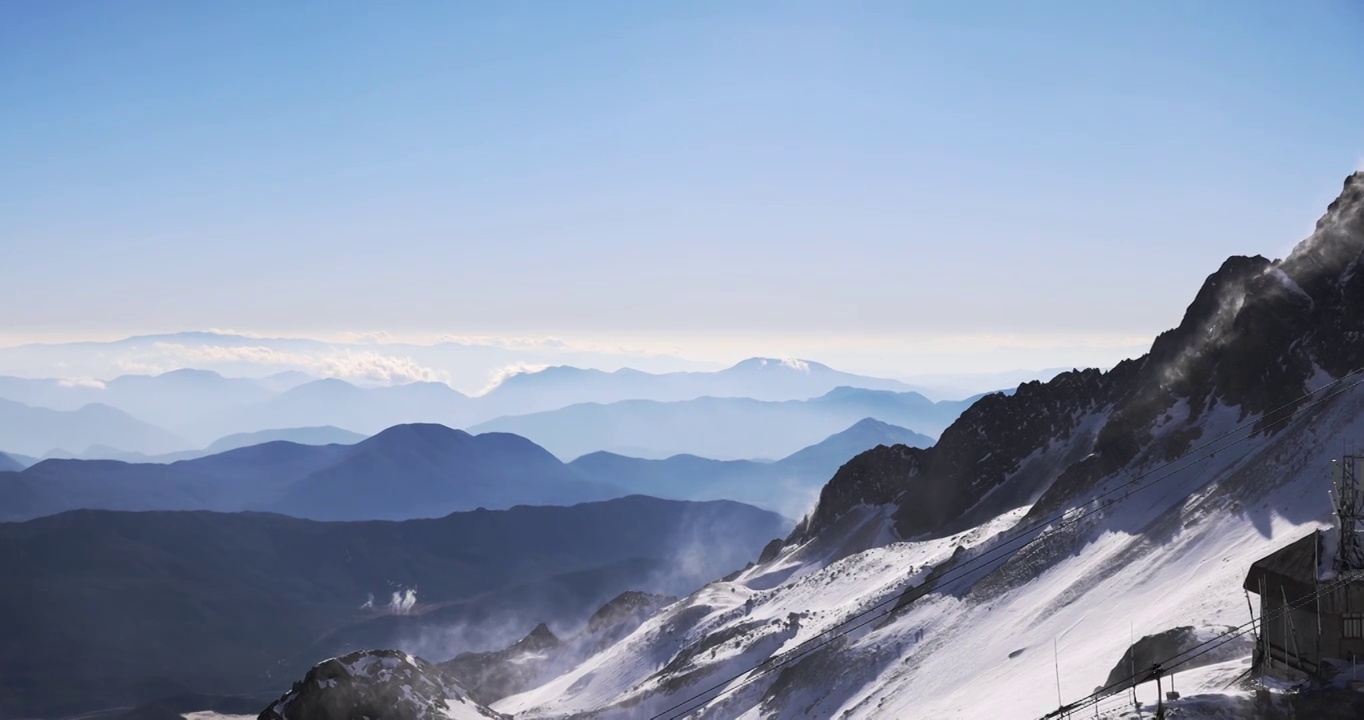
(203, 406)
(828, 454)
(326, 435)
(323, 435)
(287, 380)
(169, 399)
(336, 402)
(426, 470)
(107, 609)
(235, 480)
(722, 428)
(178, 397)
(37, 431)
(787, 486)
(756, 378)
(9, 464)
(406, 471)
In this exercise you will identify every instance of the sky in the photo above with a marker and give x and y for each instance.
(900, 188)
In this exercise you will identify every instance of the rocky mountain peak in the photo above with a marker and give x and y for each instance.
(631, 606)
(378, 684)
(541, 638)
(1255, 337)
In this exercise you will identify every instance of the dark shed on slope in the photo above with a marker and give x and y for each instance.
(1318, 625)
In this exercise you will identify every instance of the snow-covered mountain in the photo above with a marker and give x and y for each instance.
(1017, 559)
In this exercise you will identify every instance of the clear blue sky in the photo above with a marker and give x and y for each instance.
(1062, 174)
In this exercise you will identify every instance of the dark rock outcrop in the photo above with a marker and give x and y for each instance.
(491, 676)
(377, 684)
(1256, 337)
(1140, 658)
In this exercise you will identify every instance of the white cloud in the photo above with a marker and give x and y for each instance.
(501, 374)
(236, 333)
(364, 366)
(81, 383)
(366, 338)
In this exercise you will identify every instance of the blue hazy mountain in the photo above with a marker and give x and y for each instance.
(406, 471)
(166, 399)
(204, 405)
(321, 435)
(37, 431)
(756, 378)
(425, 470)
(786, 486)
(337, 402)
(722, 428)
(10, 464)
(325, 435)
(109, 609)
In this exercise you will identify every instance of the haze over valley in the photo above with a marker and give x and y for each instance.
(610, 361)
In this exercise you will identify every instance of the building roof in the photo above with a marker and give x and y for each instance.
(1292, 567)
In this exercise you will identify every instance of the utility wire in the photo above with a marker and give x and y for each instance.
(1202, 648)
(801, 650)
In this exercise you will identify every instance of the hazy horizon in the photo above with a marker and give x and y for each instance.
(887, 190)
(470, 364)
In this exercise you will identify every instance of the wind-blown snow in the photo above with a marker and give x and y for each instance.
(1172, 555)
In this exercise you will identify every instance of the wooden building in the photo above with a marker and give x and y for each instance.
(1311, 615)
(1319, 625)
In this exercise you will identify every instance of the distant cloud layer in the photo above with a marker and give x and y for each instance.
(475, 364)
(365, 366)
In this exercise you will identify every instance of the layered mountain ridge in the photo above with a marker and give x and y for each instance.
(204, 406)
(403, 472)
(788, 485)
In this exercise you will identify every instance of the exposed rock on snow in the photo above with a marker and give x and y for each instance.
(1146, 652)
(376, 684)
(540, 656)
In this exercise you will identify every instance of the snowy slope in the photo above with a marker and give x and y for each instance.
(1258, 336)
(1171, 555)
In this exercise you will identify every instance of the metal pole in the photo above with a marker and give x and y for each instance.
(1316, 580)
(1056, 657)
(1264, 631)
(1160, 694)
(1132, 658)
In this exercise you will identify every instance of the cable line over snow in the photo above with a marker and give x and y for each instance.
(1021, 539)
(1204, 647)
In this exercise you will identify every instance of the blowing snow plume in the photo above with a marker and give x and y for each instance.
(402, 601)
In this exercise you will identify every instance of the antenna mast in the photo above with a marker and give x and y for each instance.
(1350, 511)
